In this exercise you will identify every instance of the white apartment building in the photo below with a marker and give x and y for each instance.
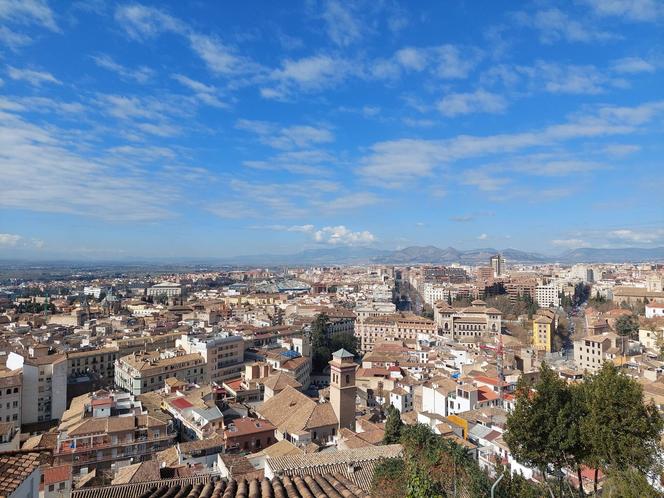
(438, 292)
(401, 398)
(11, 387)
(654, 310)
(95, 292)
(546, 295)
(223, 354)
(44, 393)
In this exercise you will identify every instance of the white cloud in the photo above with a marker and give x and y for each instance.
(635, 10)
(331, 235)
(141, 74)
(446, 62)
(395, 162)
(482, 236)
(9, 239)
(483, 180)
(650, 236)
(70, 175)
(13, 39)
(455, 104)
(343, 27)
(621, 149)
(142, 22)
(411, 58)
(306, 74)
(207, 94)
(632, 65)
(28, 12)
(220, 58)
(32, 76)
(570, 243)
(554, 25)
(342, 236)
(289, 137)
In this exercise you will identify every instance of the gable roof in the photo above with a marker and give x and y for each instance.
(293, 412)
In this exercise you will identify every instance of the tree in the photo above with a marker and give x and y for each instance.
(619, 429)
(628, 326)
(628, 483)
(581, 294)
(323, 344)
(393, 426)
(343, 340)
(542, 430)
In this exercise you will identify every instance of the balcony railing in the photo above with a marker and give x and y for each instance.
(65, 446)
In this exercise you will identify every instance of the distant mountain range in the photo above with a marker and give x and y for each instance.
(434, 255)
(414, 255)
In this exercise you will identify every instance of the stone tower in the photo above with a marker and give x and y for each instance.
(342, 388)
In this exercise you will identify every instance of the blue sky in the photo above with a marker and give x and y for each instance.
(202, 129)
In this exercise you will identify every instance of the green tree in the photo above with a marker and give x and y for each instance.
(542, 429)
(619, 429)
(393, 426)
(628, 326)
(343, 340)
(628, 483)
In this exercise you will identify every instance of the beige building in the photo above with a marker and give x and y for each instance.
(633, 295)
(476, 321)
(168, 289)
(99, 363)
(139, 373)
(395, 327)
(102, 428)
(592, 351)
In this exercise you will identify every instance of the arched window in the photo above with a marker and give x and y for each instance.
(347, 379)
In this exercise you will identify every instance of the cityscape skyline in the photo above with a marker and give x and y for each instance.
(137, 130)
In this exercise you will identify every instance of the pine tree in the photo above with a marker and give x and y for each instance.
(393, 426)
(620, 430)
(542, 429)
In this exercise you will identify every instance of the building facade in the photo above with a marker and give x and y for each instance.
(139, 373)
(476, 321)
(223, 354)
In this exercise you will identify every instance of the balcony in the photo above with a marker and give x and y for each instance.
(65, 447)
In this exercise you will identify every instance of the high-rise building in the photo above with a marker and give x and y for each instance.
(497, 262)
(342, 388)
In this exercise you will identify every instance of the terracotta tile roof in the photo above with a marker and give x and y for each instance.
(201, 444)
(138, 472)
(278, 381)
(318, 485)
(291, 411)
(357, 465)
(57, 474)
(46, 441)
(16, 467)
